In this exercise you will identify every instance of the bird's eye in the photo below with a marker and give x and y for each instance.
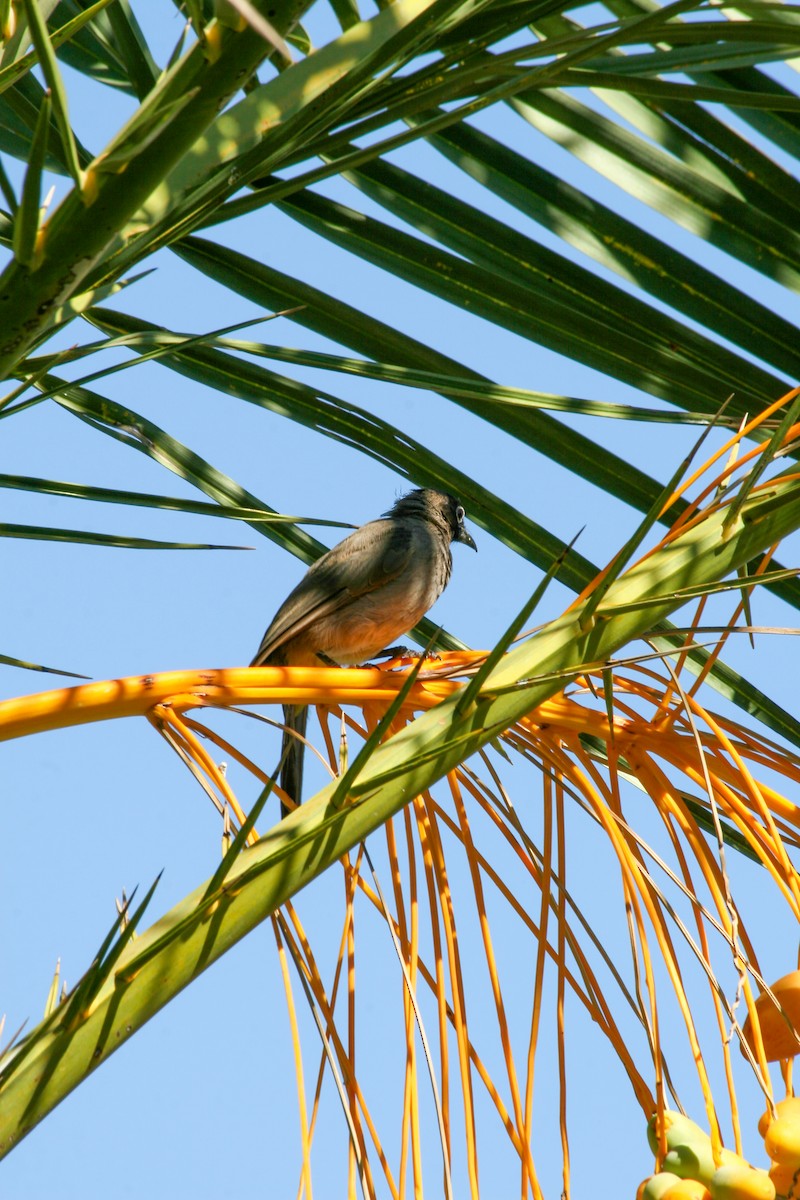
(460, 515)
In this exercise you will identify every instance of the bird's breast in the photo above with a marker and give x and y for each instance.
(371, 622)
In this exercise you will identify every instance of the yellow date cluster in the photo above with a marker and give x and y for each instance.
(691, 1172)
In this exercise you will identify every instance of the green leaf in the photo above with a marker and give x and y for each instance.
(80, 491)
(61, 314)
(697, 200)
(151, 345)
(77, 239)
(134, 430)
(299, 40)
(31, 666)
(12, 71)
(673, 278)
(462, 387)
(342, 323)
(49, 65)
(347, 13)
(347, 423)
(520, 285)
(656, 90)
(26, 218)
(8, 192)
(288, 109)
(44, 533)
(141, 70)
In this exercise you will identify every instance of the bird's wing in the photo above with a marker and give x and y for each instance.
(369, 558)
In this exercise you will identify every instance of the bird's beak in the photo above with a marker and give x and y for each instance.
(466, 538)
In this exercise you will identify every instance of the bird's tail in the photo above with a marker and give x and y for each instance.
(296, 719)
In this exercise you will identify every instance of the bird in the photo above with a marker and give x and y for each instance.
(358, 597)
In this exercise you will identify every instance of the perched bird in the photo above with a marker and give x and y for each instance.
(358, 597)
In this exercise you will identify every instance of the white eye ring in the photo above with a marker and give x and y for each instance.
(460, 515)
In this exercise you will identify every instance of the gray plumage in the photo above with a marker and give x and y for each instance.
(360, 596)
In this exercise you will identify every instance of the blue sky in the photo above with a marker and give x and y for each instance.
(201, 1103)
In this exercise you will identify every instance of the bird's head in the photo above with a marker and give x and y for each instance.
(440, 508)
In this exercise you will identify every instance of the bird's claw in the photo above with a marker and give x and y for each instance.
(407, 652)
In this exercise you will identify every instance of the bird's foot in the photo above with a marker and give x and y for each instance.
(407, 652)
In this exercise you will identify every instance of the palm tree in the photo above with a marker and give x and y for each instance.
(420, 155)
